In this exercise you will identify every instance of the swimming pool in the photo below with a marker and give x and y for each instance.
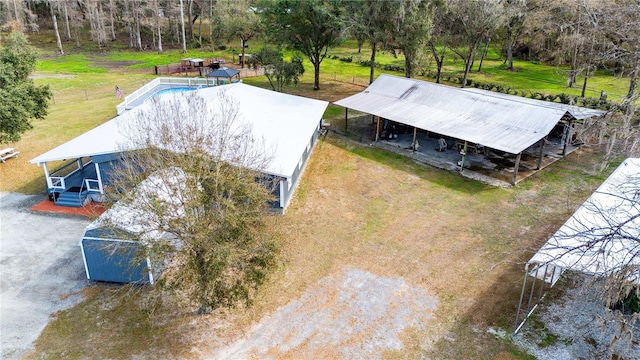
(171, 90)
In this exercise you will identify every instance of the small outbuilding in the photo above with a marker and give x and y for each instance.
(226, 74)
(113, 246)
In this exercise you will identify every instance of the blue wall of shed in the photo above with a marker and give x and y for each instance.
(114, 261)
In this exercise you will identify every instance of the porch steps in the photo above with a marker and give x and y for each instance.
(72, 199)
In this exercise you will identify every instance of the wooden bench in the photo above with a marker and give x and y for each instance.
(8, 153)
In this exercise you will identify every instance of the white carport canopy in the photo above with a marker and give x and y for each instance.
(285, 122)
(601, 238)
(503, 122)
(603, 235)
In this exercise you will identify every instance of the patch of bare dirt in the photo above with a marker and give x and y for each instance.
(352, 315)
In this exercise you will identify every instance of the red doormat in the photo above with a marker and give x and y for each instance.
(92, 209)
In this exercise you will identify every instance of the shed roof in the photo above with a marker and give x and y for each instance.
(285, 123)
(223, 72)
(603, 235)
(166, 187)
(504, 122)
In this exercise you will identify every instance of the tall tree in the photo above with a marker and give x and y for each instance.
(184, 40)
(515, 12)
(96, 22)
(241, 21)
(437, 43)
(54, 22)
(372, 21)
(469, 23)
(65, 7)
(157, 10)
(112, 28)
(413, 21)
(212, 201)
(308, 26)
(22, 100)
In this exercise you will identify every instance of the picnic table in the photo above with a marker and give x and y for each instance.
(8, 153)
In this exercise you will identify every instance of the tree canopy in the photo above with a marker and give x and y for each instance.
(308, 26)
(278, 71)
(22, 101)
(212, 203)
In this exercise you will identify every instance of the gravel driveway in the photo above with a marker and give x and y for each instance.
(41, 270)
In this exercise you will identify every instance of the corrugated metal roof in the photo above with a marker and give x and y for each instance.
(284, 122)
(504, 122)
(602, 235)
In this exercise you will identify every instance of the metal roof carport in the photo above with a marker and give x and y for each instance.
(601, 238)
(504, 122)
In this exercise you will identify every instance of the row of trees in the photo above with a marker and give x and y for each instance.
(585, 35)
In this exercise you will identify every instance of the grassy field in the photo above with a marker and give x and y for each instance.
(356, 207)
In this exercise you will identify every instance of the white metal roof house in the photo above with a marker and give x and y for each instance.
(288, 124)
(498, 121)
(601, 238)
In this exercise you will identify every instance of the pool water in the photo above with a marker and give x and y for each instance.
(171, 90)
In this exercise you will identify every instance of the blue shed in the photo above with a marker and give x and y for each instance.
(109, 255)
(113, 246)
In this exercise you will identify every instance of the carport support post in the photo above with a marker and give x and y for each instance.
(568, 138)
(377, 128)
(346, 119)
(542, 141)
(413, 144)
(515, 169)
(464, 156)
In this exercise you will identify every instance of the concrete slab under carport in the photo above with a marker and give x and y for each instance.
(41, 270)
(495, 169)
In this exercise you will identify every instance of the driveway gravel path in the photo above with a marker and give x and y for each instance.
(41, 270)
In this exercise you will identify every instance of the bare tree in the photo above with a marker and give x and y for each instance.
(184, 40)
(96, 22)
(157, 12)
(212, 201)
(66, 21)
(54, 22)
(112, 28)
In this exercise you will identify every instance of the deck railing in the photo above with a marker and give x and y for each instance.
(56, 182)
(144, 90)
